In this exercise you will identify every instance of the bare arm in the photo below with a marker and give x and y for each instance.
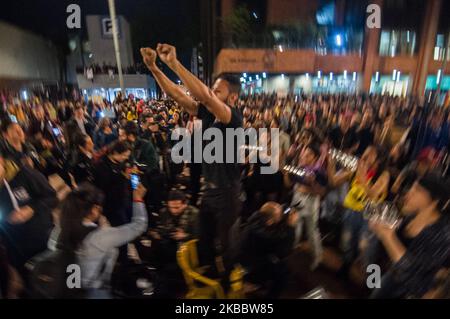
(171, 89)
(391, 243)
(336, 179)
(380, 187)
(198, 89)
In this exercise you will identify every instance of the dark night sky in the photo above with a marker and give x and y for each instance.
(151, 21)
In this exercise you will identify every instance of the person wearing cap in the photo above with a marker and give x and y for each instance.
(419, 248)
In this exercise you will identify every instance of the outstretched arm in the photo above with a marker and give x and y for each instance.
(171, 89)
(199, 90)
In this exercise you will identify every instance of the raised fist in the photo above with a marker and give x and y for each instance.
(149, 57)
(167, 53)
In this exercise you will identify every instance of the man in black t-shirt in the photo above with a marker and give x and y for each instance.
(216, 109)
(344, 136)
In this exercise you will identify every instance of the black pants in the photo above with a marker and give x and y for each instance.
(218, 212)
(156, 184)
(195, 172)
(271, 275)
(4, 272)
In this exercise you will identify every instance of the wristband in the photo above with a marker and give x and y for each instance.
(138, 201)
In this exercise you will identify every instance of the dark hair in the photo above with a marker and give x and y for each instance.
(176, 195)
(158, 118)
(382, 157)
(439, 189)
(6, 123)
(276, 120)
(234, 83)
(80, 140)
(118, 147)
(131, 129)
(314, 148)
(74, 208)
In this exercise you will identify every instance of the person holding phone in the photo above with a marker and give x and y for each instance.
(111, 178)
(81, 214)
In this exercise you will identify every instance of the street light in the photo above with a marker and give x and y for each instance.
(338, 40)
(377, 76)
(112, 13)
(438, 78)
(345, 74)
(264, 75)
(319, 74)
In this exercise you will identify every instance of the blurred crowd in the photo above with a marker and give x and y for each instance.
(97, 69)
(122, 187)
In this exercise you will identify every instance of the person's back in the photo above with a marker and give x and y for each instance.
(264, 242)
(108, 177)
(145, 153)
(260, 243)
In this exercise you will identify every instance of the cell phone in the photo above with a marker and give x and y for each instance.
(287, 211)
(13, 118)
(134, 181)
(297, 206)
(56, 131)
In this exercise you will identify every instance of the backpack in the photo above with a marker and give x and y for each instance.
(49, 273)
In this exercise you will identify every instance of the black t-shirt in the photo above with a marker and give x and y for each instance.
(365, 137)
(221, 174)
(341, 140)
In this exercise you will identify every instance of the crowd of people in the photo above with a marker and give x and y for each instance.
(126, 189)
(109, 69)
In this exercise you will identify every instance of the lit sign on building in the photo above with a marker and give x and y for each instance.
(107, 29)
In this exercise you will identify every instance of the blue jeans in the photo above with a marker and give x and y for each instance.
(357, 238)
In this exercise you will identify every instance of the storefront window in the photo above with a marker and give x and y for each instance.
(439, 49)
(397, 42)
(386, 84)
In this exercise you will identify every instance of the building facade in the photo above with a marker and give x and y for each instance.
(405, 56)
(26, 60)
(98, 78)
